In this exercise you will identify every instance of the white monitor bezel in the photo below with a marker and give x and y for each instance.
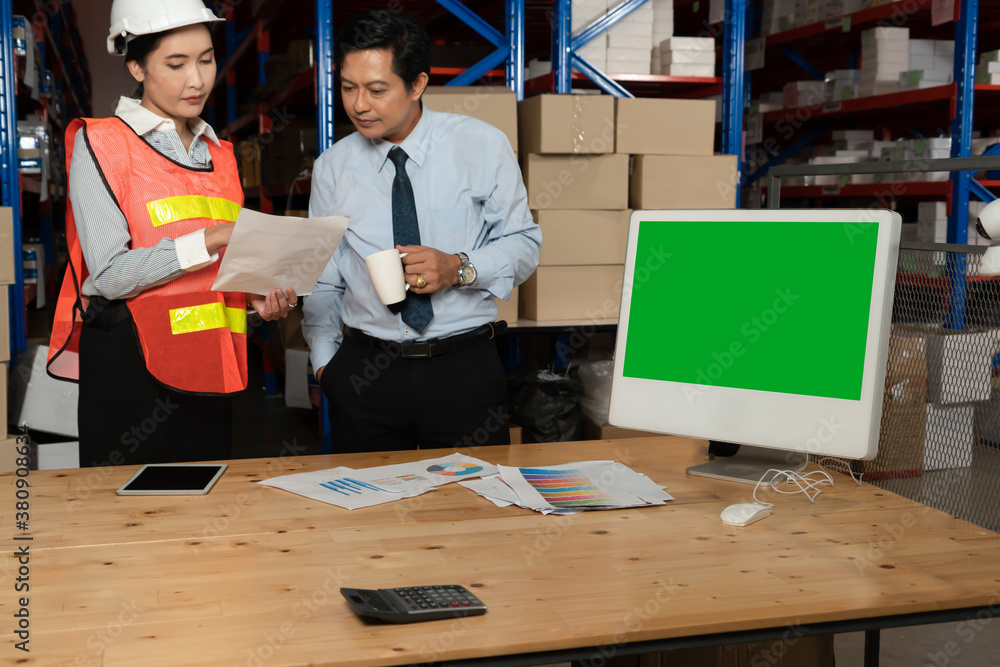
(817, 425)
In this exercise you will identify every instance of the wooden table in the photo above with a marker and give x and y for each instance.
(250, 575)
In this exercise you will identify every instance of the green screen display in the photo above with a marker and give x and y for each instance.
(770, 306)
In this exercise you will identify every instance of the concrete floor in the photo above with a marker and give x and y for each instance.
(973, 643)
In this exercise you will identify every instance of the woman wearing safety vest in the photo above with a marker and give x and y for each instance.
(154, 196)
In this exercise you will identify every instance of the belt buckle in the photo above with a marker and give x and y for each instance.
(416, 350)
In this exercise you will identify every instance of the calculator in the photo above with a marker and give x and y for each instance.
(414, 603)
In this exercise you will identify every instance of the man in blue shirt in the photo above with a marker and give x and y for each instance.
(446, 190)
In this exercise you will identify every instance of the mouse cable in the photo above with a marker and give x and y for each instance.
(810, 484)
(830, 463)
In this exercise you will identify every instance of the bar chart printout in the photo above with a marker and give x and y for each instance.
(566, 488)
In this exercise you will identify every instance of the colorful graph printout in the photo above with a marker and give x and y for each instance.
(565, 488)
(457, 469)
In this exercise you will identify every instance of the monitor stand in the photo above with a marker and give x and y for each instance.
(750, 463)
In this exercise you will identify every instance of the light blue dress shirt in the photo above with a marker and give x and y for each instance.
(470, 198)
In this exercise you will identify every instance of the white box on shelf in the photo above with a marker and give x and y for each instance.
(949, 435)
(944, 47)
(686, 69)
(628, 67)
(688, 44)
(944, 64)
(885, 34)
(921, 61)
(932, 210)
(634, 55)
(688, 57)
(922, 47)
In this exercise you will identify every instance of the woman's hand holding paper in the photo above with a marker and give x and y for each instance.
(275, 305)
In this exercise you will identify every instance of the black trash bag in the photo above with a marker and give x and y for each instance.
(546, 403)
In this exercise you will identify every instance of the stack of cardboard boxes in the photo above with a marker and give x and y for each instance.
(686, 56)
(932, 63)
(496, 106)
(629, 41)
(936, 381)
(7, 454)
(674, 165)
(988, 69)
(586, 160)
(583, 13)
(885, 52)
(578, 191)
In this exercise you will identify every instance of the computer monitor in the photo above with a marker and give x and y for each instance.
(764, 328)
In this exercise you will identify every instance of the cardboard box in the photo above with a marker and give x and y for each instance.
(563, 124)
(949, 436)
(6, 246)
(598, 182)
(5, 323)
(592, 431)
(42, 402)
(4, 370)
(665, 181)
(582, 237)
(9, 455)
(647, 126)
(904, 413)
(959, 363)
(507, 310)
(496, 105)
(572, 292)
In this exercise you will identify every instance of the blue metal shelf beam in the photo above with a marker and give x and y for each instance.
(515, 44)
(807, 66)
(565, 46)
(961, 146)
(10, 177)
(565, 58)
(732, 84)
(509, 47)
(325, 82)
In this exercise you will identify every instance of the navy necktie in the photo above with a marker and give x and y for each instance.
(416, 309)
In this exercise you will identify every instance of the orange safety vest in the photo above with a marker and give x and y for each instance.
(193, 338)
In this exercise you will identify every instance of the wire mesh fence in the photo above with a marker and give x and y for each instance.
(940, 435)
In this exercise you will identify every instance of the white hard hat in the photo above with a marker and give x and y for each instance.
(131, 18)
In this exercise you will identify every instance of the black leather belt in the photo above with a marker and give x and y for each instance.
(104, 314)
(434, 347)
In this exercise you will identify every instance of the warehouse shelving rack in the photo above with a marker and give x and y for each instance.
(821, 46)
(53, 26)
(508, 52)
(565, 58)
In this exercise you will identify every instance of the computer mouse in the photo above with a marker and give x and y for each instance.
(743, 514)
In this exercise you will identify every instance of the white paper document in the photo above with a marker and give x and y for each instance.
(569, 488)
(353, 489)
(270, 252)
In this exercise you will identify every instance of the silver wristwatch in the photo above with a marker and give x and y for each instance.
(466, 272)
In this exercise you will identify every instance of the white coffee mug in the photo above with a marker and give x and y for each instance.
(386, 269)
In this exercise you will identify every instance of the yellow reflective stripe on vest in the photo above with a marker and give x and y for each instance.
(209, 316)
(187, 207)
